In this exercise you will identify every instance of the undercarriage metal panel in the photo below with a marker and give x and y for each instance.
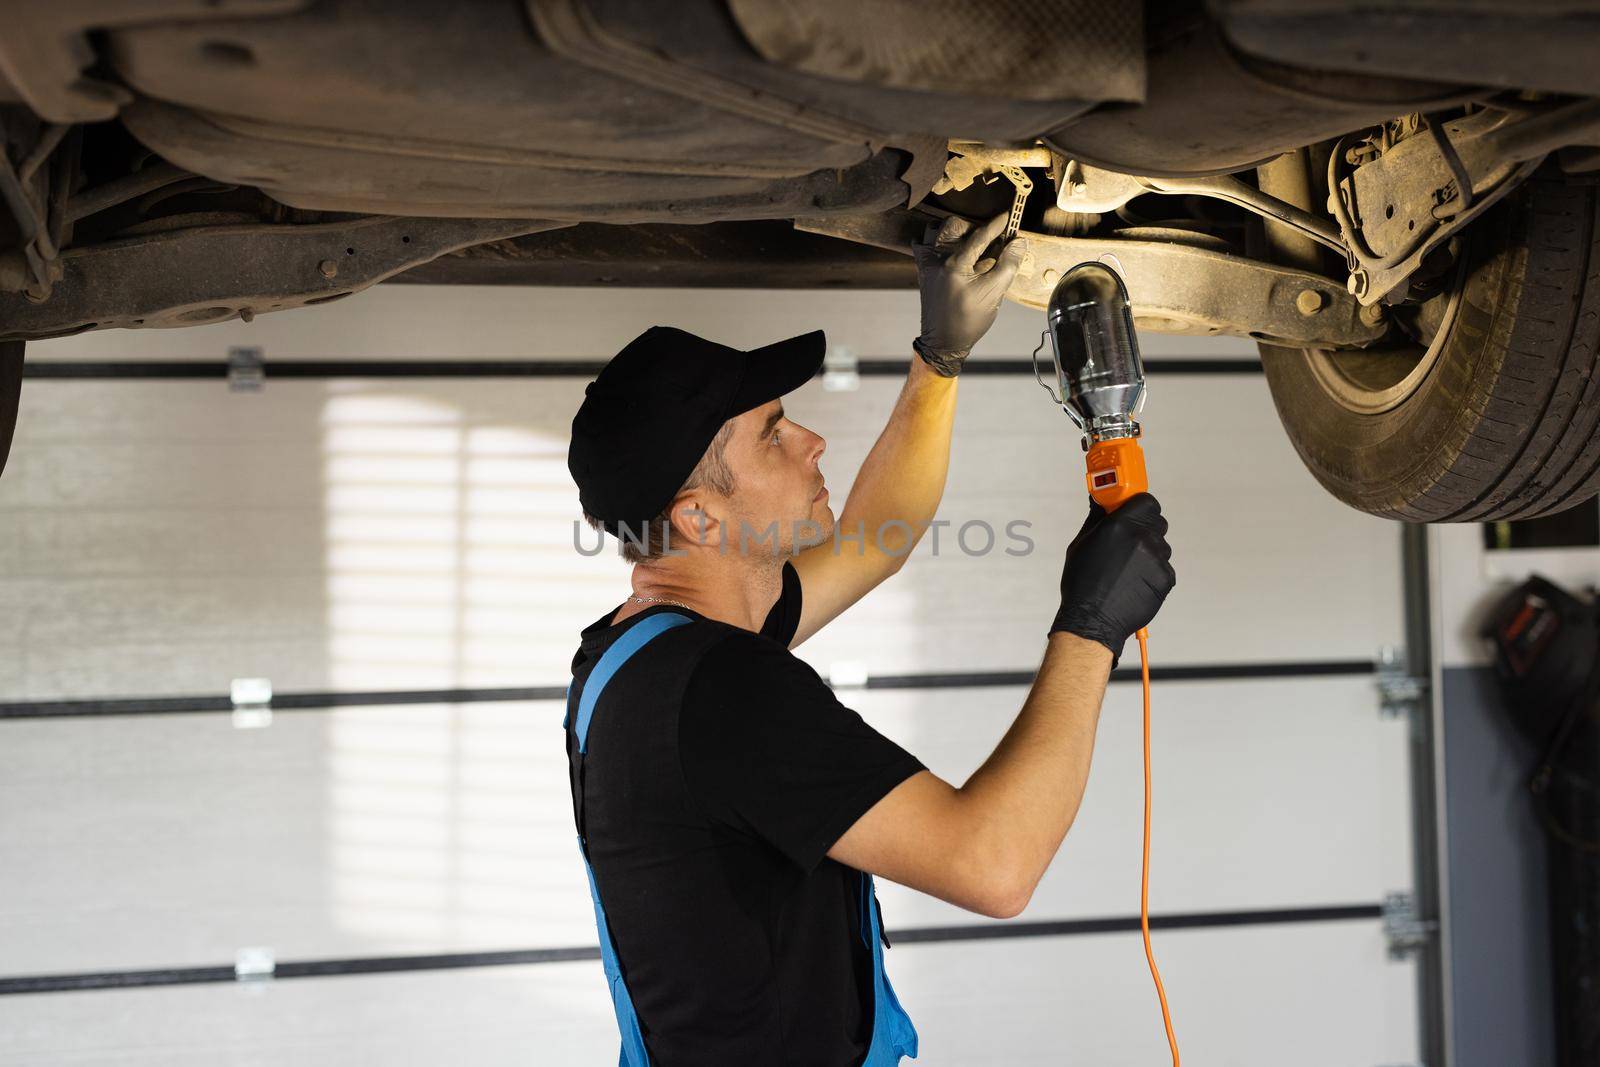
(361, 173)
(603, 110)
(471, 74)
(1545, 46)
(702, 37)
(189, 277)
(460, 110)
(717, 255)
(1085, 49)
(1210, 111)
(45, 48)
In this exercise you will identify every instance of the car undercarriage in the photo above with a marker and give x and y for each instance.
(1357, 188)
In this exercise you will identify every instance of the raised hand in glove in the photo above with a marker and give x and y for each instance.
(961, 293)
(1117, 574)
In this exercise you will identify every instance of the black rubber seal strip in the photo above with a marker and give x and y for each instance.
(1128, 924)
(66, 709)
(11, 373)
(73, 370)
(188, 705)
(1196, 673)
(65, 983)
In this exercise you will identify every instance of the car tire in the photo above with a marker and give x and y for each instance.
(1497, 417)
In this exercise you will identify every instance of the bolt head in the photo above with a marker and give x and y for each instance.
(1309, 301)
(1051, 276)
(328, 268)
(1372, 315)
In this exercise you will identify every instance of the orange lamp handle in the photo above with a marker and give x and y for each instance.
(1115, 471)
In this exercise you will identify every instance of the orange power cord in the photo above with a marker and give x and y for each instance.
(1144, 874)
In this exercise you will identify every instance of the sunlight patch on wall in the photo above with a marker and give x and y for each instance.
(450, 563)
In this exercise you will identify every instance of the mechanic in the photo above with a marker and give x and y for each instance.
(730, 809)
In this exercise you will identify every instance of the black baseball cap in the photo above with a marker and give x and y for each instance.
(649, 416)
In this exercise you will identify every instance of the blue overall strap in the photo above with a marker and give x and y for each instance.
(639, 635)
(633, 1053)
(893, 1035)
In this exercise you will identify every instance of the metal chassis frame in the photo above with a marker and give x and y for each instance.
(1176, 288)
(211, 274)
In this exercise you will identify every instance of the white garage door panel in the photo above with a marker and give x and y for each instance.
(164, 537)
(546, 1014)
(1269, 566)
(421, 533)
(418, 536)
(174, 840)
(1268, 794)
(1322, 995)
(1314, 995)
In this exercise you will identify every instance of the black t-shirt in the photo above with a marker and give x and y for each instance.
(719, 771)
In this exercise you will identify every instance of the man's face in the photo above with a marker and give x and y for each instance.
(776, 479)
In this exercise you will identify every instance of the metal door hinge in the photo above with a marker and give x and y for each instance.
(848, 674)
(1399, 691)
(252, 702)
(246, 369)
(841, 371)
(254, 964)
(1405, 932)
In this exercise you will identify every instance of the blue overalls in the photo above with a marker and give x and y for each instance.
(893, 1035)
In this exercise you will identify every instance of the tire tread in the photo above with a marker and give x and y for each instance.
(1513, 430)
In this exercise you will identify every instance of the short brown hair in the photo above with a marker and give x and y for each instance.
(652, 542)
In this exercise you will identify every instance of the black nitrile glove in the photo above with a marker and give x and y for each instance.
(1117, 573)
(961, 294)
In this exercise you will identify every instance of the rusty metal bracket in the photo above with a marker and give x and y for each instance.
(188, 277)
(972, 161)
(1396, 206)
(1023, 185)
(1404, 930)
(1394, 209)
(1176, 288)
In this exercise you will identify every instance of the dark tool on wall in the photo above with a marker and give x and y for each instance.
(1089, 322)
(1547, 643)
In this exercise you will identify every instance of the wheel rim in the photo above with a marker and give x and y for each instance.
(1373, 382)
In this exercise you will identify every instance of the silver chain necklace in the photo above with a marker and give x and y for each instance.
(659, 600)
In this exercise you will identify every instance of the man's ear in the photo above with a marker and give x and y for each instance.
(696, 520)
